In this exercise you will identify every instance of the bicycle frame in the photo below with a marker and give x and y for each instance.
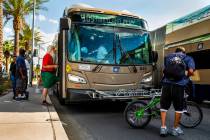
(152, 104)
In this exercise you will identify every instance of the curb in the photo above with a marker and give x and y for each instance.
(58, 130)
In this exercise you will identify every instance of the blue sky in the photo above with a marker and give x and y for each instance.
(156, 12)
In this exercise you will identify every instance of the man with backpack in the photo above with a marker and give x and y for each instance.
(173, 86)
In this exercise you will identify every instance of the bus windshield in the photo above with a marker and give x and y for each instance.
(108, 45)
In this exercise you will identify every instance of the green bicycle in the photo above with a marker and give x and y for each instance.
(138, 113)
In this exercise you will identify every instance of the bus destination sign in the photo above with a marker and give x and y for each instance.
(110, 20)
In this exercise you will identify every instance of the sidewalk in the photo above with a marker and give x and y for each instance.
(29, 120)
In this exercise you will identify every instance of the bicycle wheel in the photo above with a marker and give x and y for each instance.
(193, 116)
(136, 115)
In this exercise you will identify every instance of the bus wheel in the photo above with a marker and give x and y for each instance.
(197, 100)
(61, 100)
(59, 95)
(55, 91)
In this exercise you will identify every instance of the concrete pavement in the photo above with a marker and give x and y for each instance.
(29, 120)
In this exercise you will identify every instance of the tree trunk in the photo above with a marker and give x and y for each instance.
(26, 45)
(7, 55)
(1, 34)
(16, 26)
(16, 47)
(7, 65)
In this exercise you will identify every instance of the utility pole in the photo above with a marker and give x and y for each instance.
(1, 34)
(39, 55)
(33, 43)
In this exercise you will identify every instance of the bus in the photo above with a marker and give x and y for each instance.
(193, 33)
(103, 54)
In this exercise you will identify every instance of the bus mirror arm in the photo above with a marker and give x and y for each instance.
(154, 66)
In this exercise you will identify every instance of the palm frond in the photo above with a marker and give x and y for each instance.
(18, 10)
(39, 6)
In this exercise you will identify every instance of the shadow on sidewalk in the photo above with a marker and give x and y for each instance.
(7, 104)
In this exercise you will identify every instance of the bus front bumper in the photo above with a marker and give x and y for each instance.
(85, 95)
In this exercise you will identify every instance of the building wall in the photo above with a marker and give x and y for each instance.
(191, 31)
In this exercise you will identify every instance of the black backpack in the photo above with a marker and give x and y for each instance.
(175, 69)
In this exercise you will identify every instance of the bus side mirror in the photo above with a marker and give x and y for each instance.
(155, 56)
(65, 24)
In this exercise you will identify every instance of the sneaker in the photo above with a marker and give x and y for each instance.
(17, 99)
(27, 95)
(184, 110)
(45, 103)
(163, 132)
(22, 96)
(177, 131)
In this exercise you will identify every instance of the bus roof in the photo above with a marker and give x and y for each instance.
(97, 10)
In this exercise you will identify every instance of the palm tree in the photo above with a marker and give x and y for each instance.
(26, 37)
(7, 49)
(8, 46)
(18, 10)
(1, 34)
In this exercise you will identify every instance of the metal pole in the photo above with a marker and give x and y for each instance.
(39, 55)
(33, 43)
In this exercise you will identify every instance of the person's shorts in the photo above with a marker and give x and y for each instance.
(48, 79)
(172, 93)
(21, 85)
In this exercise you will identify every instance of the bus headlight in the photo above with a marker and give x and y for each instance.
(147, 79)
(76, 79)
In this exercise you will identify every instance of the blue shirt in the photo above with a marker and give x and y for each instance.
(20, 63)
(189, 62)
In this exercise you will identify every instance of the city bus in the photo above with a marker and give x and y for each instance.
(103, 54)
(193, 33)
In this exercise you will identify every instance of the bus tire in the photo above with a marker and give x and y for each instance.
(61, 99)
(55, 91)
(198, 101)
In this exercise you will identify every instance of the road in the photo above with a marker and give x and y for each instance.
(104, 121)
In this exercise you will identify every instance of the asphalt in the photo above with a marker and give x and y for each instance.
(29, 120)
(105, 121)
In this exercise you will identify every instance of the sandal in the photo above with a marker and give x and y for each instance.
(45, 103)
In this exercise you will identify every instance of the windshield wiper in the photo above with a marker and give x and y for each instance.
(126, 54)
(97, 66)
